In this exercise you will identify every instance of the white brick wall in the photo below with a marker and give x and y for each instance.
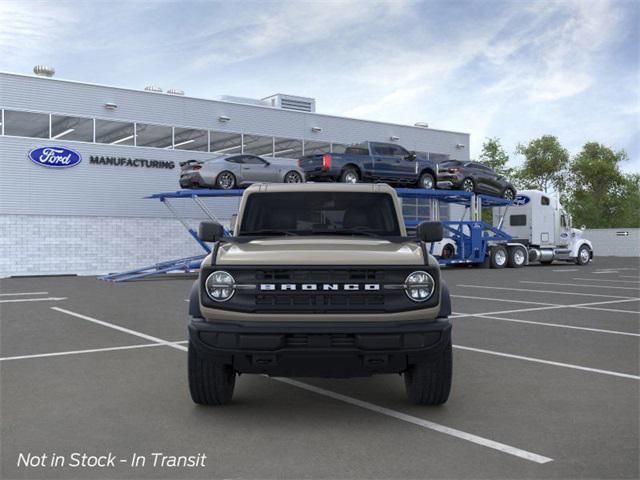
(48, 245)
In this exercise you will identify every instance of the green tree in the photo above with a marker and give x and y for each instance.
(545, 164)
(494, 156)
(600, 195)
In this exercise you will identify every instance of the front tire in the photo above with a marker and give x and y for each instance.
(210, 383)
(499, 257)
(509, 194)
(427, 181)
(584, 255)
(293, 177)
(349, 175)
(429, 383)
(226, 180)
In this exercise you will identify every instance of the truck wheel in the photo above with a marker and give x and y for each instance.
(517, 257)
(584, 255)
(427, 181)
(509, 194)
(349, 175)
(499, 256)
(429, 383)
(210, 383)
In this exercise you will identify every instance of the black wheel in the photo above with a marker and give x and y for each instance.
(448, 251)
(517, 257)
(429, 383)
(293, 177)
(210, 383)
(427, 181)
(509, 194)
(226, 180)
(584, 255)
(468, 185)
(498, 256)
(349, 175)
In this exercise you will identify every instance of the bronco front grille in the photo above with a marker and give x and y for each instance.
(321, 289)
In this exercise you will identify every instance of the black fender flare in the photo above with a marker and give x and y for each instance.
(194, 300)
(445, 301)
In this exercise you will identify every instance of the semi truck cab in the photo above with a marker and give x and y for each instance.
(539, 221)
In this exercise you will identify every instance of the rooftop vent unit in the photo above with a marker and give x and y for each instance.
(153, 88)
(291, 102)
(44, 71)
(175, 91)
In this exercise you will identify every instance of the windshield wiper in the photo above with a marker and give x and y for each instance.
(269, 231)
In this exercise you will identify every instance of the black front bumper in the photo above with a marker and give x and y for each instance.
(297, 349)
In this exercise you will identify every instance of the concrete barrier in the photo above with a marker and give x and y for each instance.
(614, 242)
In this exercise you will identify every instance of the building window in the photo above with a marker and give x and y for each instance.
(314, 148)
(287, 148)
(190, 139)
(114, 133)
(157, 136)
(26, 124)
(258, 145)
(71, 128)
(225, 143)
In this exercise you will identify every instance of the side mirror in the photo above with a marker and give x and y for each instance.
(232, 222)
(429, 232)
(210, 231)
(411, 156)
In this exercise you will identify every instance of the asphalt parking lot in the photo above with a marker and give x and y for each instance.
(546, 385)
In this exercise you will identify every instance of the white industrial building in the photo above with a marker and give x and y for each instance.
(93, 218)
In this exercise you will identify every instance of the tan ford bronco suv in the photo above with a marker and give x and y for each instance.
(319, 280)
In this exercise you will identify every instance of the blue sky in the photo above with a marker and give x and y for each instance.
(514, 70)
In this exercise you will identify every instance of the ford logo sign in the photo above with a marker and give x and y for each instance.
(55, 157)
(521, 200)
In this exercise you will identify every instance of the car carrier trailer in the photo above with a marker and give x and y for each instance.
(469, 241)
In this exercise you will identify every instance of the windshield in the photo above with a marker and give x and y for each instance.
(320, 213)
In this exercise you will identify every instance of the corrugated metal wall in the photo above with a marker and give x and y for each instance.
(614, 242)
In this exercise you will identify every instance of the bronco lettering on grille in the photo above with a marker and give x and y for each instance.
(319, 286)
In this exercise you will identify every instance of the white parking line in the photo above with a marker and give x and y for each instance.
(469, 437)
(549, 362)
(628, 276)
(551, 306)
(122, 329)
(528, 290)
(91, 350)
(546, 324)
(505, 300)
(23, 293)
(533, 457)
(582, 285)
(605, 280)
(567, 270)
(20, 300)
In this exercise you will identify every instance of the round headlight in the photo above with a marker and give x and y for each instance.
(220, 286)
(419, 286)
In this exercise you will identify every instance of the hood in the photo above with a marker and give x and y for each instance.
(320, 251)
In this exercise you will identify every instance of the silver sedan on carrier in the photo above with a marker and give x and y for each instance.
(234, 171)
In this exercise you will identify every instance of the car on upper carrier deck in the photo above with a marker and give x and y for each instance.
(372, 162)
(235, 171)
(474, 177)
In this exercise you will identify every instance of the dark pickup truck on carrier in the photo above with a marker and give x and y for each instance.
(372, 162)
